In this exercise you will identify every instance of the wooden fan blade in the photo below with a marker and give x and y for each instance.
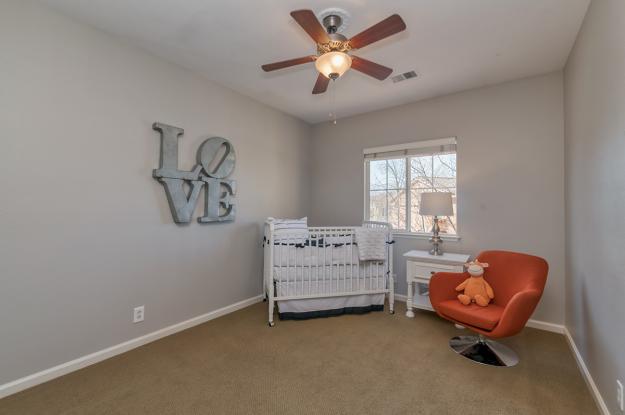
(321, 85)
(285, 64)
(309, 22)
(370, 68)
(387, 27)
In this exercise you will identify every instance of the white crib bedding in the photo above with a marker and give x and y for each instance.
(343, 278)
(320, 288)
(328, 306)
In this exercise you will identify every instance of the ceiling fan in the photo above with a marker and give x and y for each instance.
(333, 58)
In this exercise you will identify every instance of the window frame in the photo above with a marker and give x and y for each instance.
(405, 147)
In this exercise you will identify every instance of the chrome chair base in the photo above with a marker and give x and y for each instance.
(484, 351)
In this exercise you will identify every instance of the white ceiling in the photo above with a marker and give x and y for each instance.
(453, 45)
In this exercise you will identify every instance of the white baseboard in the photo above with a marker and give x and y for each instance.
(603, 408)
(536, 324)
(545, 325)
(84, 361)
(400, 297)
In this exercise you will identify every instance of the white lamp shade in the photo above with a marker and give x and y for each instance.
(436, 204)
(333, 63)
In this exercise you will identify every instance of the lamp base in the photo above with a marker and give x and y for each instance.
(436, 250)
(436, 239)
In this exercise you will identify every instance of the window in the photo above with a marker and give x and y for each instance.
(397, 175)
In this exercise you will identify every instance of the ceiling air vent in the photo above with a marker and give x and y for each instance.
(404, 76)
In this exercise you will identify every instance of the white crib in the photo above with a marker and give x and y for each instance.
(323, 265)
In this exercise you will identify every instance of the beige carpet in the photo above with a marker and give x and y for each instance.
(368, 364)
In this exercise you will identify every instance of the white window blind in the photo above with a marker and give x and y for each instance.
(440, 145)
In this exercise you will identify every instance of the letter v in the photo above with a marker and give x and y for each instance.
(181, 205)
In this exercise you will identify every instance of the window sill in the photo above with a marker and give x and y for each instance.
(424, 236)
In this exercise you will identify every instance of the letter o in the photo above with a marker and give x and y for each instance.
(209, 150)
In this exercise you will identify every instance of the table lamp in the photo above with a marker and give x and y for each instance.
(436, 204)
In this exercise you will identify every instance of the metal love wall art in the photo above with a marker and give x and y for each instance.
(215, 162)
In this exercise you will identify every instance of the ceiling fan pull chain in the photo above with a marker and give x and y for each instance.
(333, 103)
(332, 107)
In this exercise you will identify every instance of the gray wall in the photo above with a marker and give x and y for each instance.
(594, 92)
(86, 232)
(510, 167)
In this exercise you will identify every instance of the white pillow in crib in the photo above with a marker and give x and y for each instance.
(291, 231)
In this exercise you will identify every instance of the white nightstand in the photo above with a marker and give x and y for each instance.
(420, 266)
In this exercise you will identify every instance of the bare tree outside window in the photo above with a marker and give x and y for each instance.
(432, 173)
(387, 194)
(397, 181)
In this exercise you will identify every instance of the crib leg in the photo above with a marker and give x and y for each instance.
(391, 294)
(270, 301)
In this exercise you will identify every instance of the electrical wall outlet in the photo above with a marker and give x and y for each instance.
(138, 314)
(619, 395)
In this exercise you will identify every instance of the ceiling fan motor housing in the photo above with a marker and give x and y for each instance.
(334, 16)
(337, 43)
(332, 22)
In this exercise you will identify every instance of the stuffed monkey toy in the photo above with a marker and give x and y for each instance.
(476, 289)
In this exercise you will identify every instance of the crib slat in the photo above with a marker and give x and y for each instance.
(351, 263)
(344, 249)
(297, 276)
(317, 264)
(325, 268)
(288, 263)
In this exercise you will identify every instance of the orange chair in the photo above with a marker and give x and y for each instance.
(518, 281)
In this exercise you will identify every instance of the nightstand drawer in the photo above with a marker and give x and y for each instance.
(422, 270)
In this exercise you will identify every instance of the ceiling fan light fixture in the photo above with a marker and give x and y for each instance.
(333, 64)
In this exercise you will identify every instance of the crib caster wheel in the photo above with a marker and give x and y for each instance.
(392, 311)
(271, 324)
(264, 300)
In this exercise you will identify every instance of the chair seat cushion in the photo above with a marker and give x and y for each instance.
(485, 318)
